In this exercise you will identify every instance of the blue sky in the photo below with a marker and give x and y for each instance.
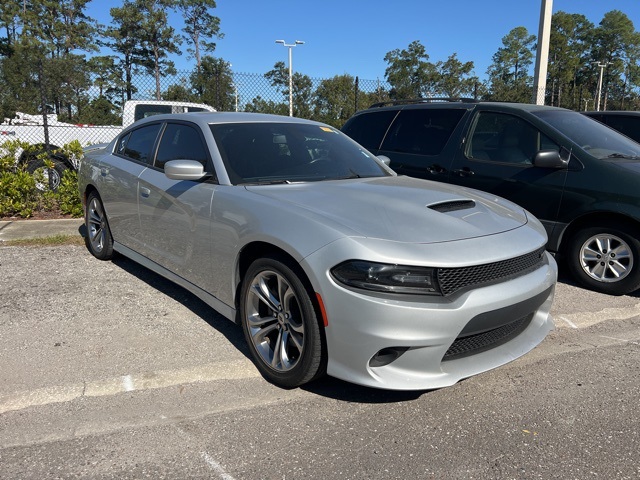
(353, 36)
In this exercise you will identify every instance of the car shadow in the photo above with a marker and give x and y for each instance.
(231, 331)
(343, 391)
(329, 387)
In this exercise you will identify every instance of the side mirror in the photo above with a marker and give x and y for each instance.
(549, 159)
(184, 170)
(384, 159)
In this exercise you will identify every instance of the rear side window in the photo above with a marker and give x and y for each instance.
(422, 131)
(368, 128)
(180, 142)
(138, 143)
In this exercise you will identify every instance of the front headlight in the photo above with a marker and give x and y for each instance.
(383, 277)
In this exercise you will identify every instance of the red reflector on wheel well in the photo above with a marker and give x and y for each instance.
(323, 312)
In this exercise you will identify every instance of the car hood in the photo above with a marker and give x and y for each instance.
(401, 209)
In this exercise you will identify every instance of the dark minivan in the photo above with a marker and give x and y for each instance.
(578, 176)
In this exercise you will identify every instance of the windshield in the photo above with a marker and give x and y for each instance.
(595, 138)
(291, 152)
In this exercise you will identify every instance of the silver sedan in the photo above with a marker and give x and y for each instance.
(329, 261)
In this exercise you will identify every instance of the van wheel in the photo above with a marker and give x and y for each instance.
(605, 259)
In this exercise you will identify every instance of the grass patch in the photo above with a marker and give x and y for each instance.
(53, 241)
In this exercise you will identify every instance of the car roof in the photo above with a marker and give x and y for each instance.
(463, 103)
(206, 118)
(612, 112)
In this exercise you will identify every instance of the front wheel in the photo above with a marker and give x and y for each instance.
(99, 240)
(280, 323)
(605, 259)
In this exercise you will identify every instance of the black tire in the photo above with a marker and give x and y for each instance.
(98, 240)
(605, 258)
(46, 178)
(280, 323)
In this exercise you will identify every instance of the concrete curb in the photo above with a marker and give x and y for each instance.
(28, 229)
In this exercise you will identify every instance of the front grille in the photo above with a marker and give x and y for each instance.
(452, 280)
(480, 342)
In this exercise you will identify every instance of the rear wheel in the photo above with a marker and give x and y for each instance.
(280, 323)
(99, 239)
(47, 177)
(605, 259)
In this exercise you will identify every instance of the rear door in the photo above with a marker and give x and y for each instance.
(119, 183)
(497, 157)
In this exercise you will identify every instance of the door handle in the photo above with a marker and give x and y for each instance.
(436, 169)
(464, 172)
(145, 192)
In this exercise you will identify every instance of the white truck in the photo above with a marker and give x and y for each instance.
(30, 129)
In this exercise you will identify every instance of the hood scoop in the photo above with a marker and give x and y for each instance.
(452, 206)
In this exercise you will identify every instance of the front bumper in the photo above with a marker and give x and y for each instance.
(423, 329)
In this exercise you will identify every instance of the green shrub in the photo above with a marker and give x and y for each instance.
(68, 195)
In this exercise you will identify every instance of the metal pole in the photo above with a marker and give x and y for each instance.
(601, 66)
(290, 46)
(290, 83)
(542, 55)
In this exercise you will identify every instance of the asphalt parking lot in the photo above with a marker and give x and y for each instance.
(109, 371)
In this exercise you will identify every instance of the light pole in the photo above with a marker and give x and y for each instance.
(290, 46)
(601, 66)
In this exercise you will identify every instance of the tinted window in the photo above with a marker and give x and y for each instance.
(629, 125)
(180, 142)
(369, 128)
(595, 138)
(422, 131)
(144, 111)
(140, 142)
(499, 137)
(289, 152)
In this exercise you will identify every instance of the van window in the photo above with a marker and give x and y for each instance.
(368, 129)
(504, 138)
(422, 131)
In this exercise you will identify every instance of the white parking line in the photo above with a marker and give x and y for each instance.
(632, 342)
(587, 319)
(569, 322)
(216, 467)
(235, 370)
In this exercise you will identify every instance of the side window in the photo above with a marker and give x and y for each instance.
(629, 126)
(139, 143)
(368, 128)
(422, 131)
(505, 138)
(144, 111)
(180, 142)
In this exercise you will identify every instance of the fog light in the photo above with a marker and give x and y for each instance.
(386, 356)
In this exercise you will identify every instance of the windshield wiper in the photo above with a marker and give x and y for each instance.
(268, 182)
(622, 155)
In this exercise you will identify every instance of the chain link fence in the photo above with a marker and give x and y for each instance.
(97, 112)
